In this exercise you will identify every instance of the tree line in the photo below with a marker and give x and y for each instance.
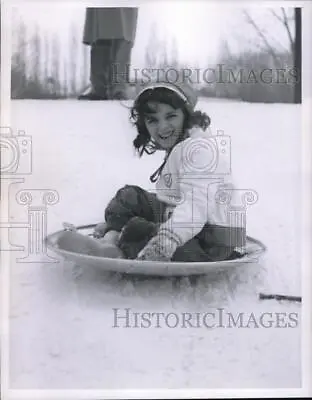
(39, 68)
(262, 73)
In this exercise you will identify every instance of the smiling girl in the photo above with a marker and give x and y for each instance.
(182, 221)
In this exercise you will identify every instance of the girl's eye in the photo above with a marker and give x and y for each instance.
(171, 116)
(150, 120)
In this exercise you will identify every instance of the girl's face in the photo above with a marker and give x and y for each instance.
(164, 124)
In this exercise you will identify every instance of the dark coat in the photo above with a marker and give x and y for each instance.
(110, 23)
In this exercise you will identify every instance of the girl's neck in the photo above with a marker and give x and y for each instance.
(156, 174)
(183, 136)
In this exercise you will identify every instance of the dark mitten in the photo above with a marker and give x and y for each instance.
(135, 235)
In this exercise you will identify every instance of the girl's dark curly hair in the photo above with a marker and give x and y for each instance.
(143, 142)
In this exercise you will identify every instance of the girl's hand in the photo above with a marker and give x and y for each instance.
(99, 230)
(67, 226)
(111, 237)
(159, 248)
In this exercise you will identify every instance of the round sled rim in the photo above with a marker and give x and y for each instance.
(254, 251)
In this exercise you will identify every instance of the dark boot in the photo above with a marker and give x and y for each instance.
(91, 95)
(99, 71)
(120, 69)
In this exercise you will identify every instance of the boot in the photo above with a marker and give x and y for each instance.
(91, 95)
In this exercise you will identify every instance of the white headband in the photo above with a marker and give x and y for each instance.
(165, 85)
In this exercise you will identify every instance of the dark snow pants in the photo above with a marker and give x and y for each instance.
(140, 212)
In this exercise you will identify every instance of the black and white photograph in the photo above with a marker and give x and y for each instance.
(154, 195)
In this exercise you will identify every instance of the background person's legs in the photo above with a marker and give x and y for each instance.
(110, 60)
(109, 71)
(101, 55)
(119, 70)
(111, 34)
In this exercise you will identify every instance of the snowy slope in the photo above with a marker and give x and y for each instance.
(61, 321)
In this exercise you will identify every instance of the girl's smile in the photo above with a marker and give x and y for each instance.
(164, 124)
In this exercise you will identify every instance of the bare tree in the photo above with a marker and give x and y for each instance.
(73, 59)
(46, 57)
(56, 64)
(284, 19)
(19, 67)
(294, 41)
(267, 40)
(174, 52)
(35, 72)
(152, 49)
(35, 55)
(298, 55)
(65, 82)
(161, 56)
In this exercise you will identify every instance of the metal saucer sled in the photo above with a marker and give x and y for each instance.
(254, 250)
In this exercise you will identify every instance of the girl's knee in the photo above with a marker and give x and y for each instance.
(128, 192)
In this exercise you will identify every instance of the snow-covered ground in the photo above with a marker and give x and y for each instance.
(61, 315)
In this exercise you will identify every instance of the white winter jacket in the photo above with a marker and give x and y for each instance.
(196, 169)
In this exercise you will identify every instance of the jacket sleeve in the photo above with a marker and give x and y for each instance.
(198, 186)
